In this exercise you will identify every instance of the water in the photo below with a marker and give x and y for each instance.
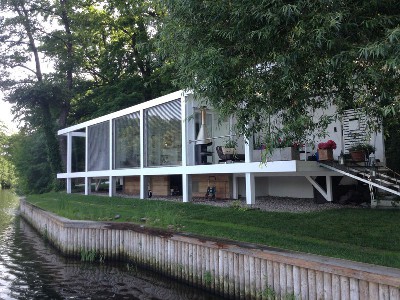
(32, 269)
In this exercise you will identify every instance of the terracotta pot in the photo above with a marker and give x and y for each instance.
(357, 155)
(325, 154)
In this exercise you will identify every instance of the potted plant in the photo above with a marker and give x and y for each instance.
(325, 150)
(360, 151)
(229, 147)
(285, 149)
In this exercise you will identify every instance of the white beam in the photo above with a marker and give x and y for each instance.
(320, 189)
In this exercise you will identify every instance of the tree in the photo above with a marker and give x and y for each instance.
(7, 170)
(31, 163)
(274, 64)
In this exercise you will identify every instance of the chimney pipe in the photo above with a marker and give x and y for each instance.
(202, 137)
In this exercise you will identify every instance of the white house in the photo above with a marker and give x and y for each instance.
(157, 146)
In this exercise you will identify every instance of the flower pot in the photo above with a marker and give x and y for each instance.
(325, 154)
(228, 150)
(288, 153)
(358, 155)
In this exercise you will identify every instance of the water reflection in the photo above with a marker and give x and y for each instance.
(31, 269)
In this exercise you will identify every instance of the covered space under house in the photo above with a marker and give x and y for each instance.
(172, 146)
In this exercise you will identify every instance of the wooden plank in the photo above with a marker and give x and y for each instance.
(319, 284)
(297, 282)
(237, 272)
(264, 275)
(251, 277)
(226, 274)
(258, 276)
(289, 280)
(282, 280)
(354, 289)
(304, 283)
(336, 287)
(394, 293)
(363, 288)
(277, 279)
(246, 272)
(327, 286)
(221, 271)
(383, 292)
(231, 274)
(270, 274)
(312, 290)
(345, 287)
(242, 279)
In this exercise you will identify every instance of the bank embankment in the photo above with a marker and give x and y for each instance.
(231, 269)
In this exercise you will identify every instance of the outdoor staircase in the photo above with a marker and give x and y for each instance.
(384, 183)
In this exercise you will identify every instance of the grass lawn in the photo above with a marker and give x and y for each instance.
(365, 235)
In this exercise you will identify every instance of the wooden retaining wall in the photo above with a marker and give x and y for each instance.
(233, 270)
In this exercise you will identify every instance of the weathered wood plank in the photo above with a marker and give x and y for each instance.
(312, 289)
(319, 284)
(327, 286)
(304, 283)
(344, 287)
(336, 287)
(354, 289)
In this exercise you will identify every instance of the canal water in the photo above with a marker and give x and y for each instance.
(32, 269)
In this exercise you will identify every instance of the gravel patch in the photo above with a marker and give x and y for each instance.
(265, 203)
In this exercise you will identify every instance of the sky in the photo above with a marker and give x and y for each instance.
(6, 116)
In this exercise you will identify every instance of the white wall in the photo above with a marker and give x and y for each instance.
(279, 186)
(293, 186)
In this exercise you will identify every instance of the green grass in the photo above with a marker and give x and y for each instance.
(366, 235)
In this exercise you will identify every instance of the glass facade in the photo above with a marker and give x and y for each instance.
(99, 147)
(164, 134)
(127, 141)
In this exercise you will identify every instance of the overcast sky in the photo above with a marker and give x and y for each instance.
(6, 116)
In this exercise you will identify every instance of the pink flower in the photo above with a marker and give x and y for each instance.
(328, 145)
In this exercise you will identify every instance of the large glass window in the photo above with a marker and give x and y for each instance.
(127, 141)
(164, 134)
(99, 147)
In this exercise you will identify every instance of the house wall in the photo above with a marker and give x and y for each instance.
(159, 185)
(279, 186)
(131, 185)
(222, 185)
(296, 187)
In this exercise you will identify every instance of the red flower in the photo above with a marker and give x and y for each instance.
(328, 145)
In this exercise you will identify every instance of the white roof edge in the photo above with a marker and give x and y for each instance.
(135, 108)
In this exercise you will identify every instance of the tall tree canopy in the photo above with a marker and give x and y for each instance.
(256, 59)
(102, 57)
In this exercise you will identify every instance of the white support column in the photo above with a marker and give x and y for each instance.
(185, 143)
(329, 188)
(144, 186)
(111, 186)
(69, 152)
(87, 149)
(69, 184)
(186, 187)
(111, 143)
(142, 142)
(69, 160)
(248, 149)
(235, 187)
(88, 185)
(250, 189)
